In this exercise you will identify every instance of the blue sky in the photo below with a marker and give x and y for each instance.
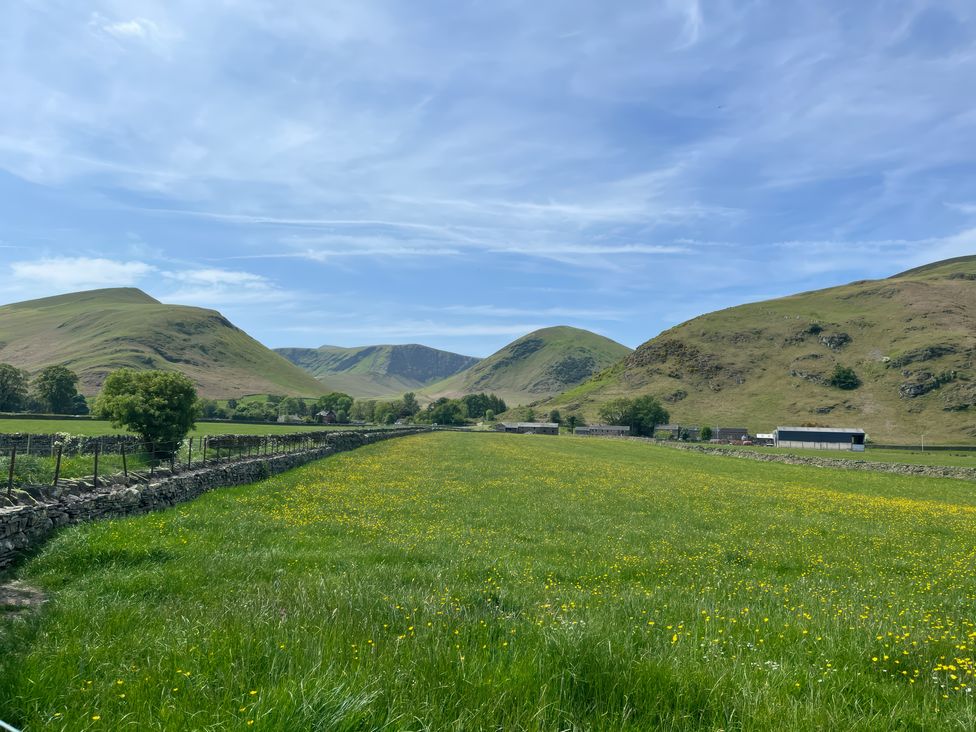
(460, 173)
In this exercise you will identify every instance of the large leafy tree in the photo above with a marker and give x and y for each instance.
(13, 388)
(646, 414)
(615, 411)
(159, 406)
(56, 388)
(642, 414)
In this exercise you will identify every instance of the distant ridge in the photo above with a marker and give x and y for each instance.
(378, 371)
(535, 366)
(910, 338)
(97, 331)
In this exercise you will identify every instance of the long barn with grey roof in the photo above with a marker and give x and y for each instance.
(820, 438)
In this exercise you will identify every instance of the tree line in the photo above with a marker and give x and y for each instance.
(52, 390)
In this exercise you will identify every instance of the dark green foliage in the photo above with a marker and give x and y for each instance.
(13, 388)
(410, 405)
(335, 401)
(477, 404)
(444, 411)
(211, 410)
(159, 406)
(56, 388)
(256, 412)
(706, 434)
(574, 420)
(79, 405)
(642, 414)
(844, 378)
(555, 416)
(291, 406)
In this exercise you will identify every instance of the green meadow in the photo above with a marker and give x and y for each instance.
(454, 581)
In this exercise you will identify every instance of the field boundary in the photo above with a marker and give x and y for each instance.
(25, 527)
(928, 471)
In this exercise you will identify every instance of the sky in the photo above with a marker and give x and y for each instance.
(459, 173)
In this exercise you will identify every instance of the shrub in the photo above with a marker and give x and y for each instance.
(844, 378)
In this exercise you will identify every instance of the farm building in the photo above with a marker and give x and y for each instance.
(677, 432)
(821, 438)
(529, 428)
(766, 439)
(603, 430)
(326, 416)
(730, 434)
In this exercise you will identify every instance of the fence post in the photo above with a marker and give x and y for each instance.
(95, 468)
(57, 467)
(189, 454)
(172, 458)
(152, 460)
(205, 441)
(10, 473)
(125, 467)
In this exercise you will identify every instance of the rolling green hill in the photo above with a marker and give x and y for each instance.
(540, 364)
(911, 339)
(98, 331)
(378, 371)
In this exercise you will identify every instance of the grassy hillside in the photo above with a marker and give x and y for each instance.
(97, 331)
(378, 371)
(501, 582)
(910, 338)
(538, 365)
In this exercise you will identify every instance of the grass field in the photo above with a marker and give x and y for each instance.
(98, 427)
(456, 581)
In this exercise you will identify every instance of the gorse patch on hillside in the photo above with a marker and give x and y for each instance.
(894, 356)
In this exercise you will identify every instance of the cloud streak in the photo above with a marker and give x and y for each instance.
(580, 159)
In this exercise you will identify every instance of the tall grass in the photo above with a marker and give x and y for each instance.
(458, 581)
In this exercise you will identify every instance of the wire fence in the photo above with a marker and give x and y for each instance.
(112, 461)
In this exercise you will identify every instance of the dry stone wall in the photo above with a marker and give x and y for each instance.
(25, 527)
(31, 444)
(930, 471)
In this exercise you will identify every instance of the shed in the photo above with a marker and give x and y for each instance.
(529, 428)
(730, 434)
(604, 430)
(821, 438)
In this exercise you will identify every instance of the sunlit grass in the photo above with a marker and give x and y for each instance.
(456, 581)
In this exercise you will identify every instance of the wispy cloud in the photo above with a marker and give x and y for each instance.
(78, 273)
(561, 152)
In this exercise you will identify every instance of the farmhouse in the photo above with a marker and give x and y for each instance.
(603, 430)
(821, 438)
(326, 416)
(529, 428)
